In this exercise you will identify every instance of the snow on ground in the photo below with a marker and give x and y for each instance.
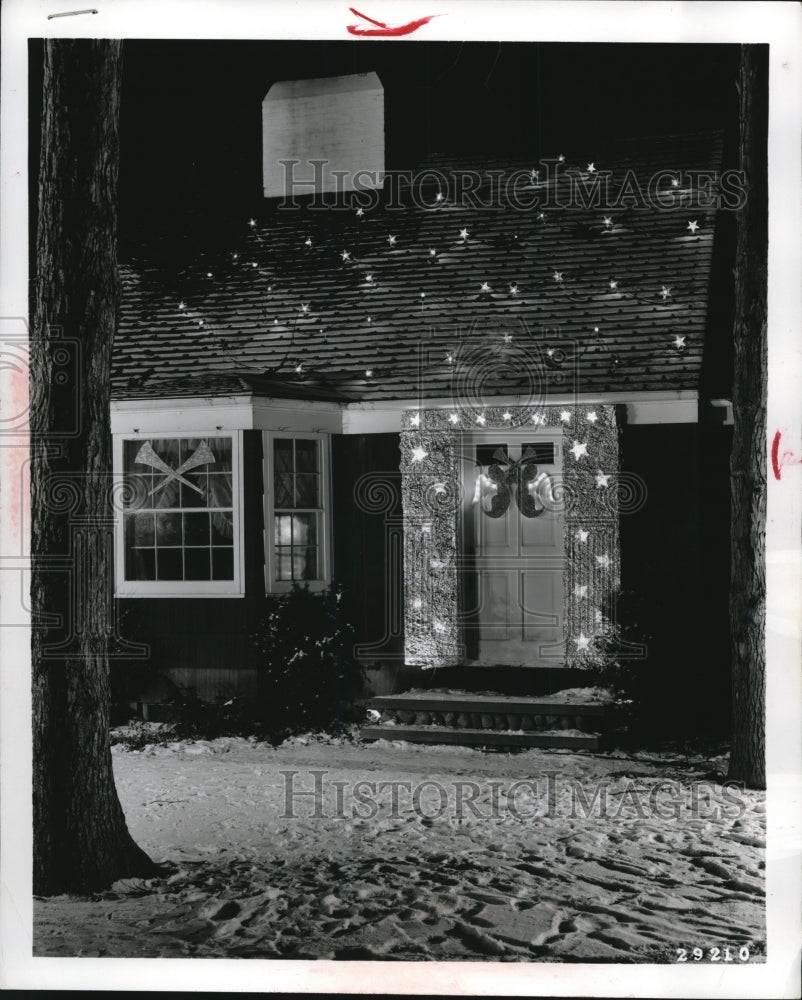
(506, 863)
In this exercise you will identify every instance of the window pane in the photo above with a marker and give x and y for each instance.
(140, 564)
(218, 489)
(303, 529)
(196, 564)
(284, 564)
(308, 565)
(306, 490)
(222, 527)
(169, 564)
(190, 497)
(306, 455)
(223, 564)
(282, 454)
(283, 490)
(168, 530)
(196, 529)
(282, 529)
(141, 529)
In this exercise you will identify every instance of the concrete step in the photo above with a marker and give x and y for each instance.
(494, 704)
(481, 737)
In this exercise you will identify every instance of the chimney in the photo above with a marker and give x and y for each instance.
(339, 120)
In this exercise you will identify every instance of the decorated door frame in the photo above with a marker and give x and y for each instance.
(590, 489)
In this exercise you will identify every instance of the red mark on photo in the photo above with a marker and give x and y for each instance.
(779, 459)
(382, 30)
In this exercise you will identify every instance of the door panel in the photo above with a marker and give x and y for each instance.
(513, 564)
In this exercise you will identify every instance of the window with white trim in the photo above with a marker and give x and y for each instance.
(179, 523)
(296, 510)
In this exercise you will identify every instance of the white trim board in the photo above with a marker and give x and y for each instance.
(248, 412)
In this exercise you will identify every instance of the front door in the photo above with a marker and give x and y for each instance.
(512, 555)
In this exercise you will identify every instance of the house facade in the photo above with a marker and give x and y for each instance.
(484, 412)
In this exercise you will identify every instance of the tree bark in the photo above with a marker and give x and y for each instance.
(748, 459)
(81, 841)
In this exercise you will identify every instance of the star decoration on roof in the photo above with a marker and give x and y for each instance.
(604, 561)
(665, 293)
(235, 256)
(558, 276)
(308, 241)
(578, 450)
(450, 359)
(507, 338)
(608, 221)
(693, 225)
(675, 182)
(369, 278)
(485, 287)
(541, 216)
(432, 253)
(581, 590)
(565, 416)
(591, 417)
(360, 212)
(679, 342)
(182, 305)
(561, 158)
(582, 536)
(418, 454)
(463, 234)
(582, 641)
(591, 168)
(304, 308)
(346, 255)
(299, 368)
(513, 289)
(534, 174)
(368, 373)
(391, 240)
(613, 284)
(438, 196)
(602, 479)
(251, 223)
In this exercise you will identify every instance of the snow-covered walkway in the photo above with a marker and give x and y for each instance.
(457, 856)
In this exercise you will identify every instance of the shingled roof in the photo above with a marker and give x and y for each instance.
(418, 301)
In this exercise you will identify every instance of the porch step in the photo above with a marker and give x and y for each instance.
(488, 719)
(480, 737)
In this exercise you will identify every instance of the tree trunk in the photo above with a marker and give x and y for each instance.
(748, 460)
(81, 841)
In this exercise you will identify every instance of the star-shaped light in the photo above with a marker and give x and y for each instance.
(360, 212)
(485, 287)
(251, 223)
(418, 454)
(581, 536)
(254, 264)
(693, 225)
(558, 276)
(463, 234)
(613, 284)
(582, 641)
(506, 415)
(346, 255)
(513, 289)
(561, 158)
(603, 561)
(679, 342)
(235, 256)
(308, 241)
(200, 322)
(304, 308)
(415, 419)
(675, 182)
(608, 221)
(369, 278)
(432, 253)
(438, 196)
(450, 359)
(665, 292)
(581, 590)
(299, 368)
(565, 416)
(481, 419)
(391, 240)
(369, 320)
(541, 216)
(209, 274)
(602, 479)
(453, 418)
(507, 338)
(578, 450)
(182, 305)
(591, 168)
(423, 295)
(538, 418)
(534, 174)
(368, 373)
(591, 417)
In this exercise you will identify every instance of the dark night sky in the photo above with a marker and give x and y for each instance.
(191, 110)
